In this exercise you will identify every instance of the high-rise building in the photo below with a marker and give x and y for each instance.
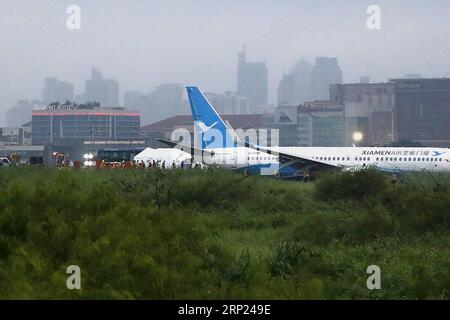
(137, 100)
(81, 98)
(252, 82)
(56, 91)
(422, 111)
(229, 103)
(302, 75)
(295, 87)
(286, 90)
(112, 93)
(131, 99)
(368, 109)
(20, 114)
(104, 91)
(325, 72)
(166, 100)
(402, 111)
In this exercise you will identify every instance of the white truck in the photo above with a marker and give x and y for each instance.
(4, 162)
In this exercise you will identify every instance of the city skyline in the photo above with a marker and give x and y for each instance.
(148, 43)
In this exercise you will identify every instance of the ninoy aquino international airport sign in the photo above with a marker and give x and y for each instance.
(114, 142)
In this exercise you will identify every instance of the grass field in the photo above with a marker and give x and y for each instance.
(196, 234)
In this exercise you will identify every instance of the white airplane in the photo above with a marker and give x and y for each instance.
(218, 145)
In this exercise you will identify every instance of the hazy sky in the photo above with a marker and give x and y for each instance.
(144, 43)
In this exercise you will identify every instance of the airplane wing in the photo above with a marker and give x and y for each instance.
(301, 163)
(189, 149)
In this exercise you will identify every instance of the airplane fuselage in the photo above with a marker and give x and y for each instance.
(347, 158)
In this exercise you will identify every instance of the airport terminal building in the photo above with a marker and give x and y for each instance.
(77, 130)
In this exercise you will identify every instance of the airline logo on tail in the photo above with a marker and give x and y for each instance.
(204, 128)
(206, 119)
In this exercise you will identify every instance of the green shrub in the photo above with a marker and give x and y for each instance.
(140, 234)
(358, 185)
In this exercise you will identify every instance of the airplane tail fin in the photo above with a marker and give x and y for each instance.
(210, 130)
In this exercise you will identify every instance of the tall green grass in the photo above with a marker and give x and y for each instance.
(193, 234)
